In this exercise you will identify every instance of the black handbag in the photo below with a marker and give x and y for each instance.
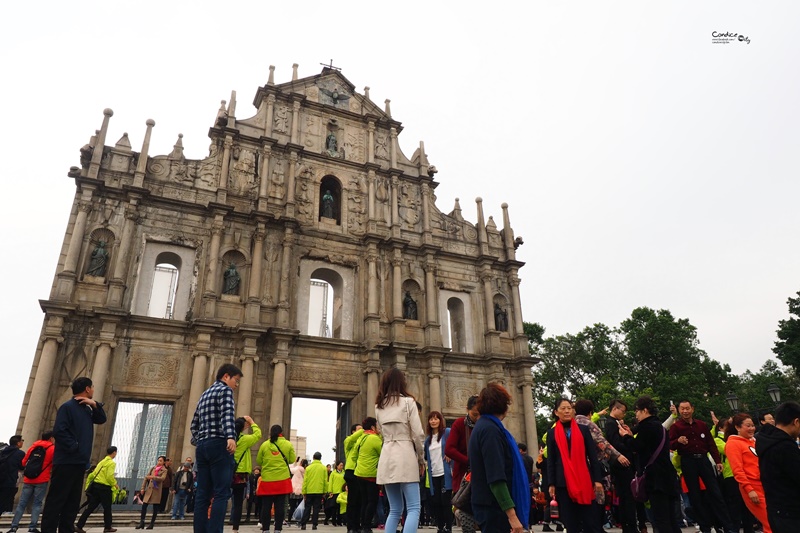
(462, 499)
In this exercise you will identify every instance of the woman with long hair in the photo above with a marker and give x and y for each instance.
(401, 462)
(298, 470)
(501, 497)
(274, 457)
(367, 453)
(741, 451)
(152, 486)
(573, 471)
(243, 464)
(441, 478)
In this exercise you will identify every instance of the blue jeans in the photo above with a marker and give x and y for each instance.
(179, 504)
(214, 475)
(397, 492)
(37, 491)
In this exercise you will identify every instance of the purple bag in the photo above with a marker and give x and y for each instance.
(637, 483)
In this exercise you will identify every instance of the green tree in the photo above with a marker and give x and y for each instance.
(787, 347)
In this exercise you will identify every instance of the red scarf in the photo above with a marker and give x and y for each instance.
(576, 472)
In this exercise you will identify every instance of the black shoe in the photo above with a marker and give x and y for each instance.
(32, 530)
(140, 525)
(314, 527)
(302, 528)
(79, 529)
(149, 527)
(12, 530)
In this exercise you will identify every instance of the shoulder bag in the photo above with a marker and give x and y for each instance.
(637, 483)
(462, 499)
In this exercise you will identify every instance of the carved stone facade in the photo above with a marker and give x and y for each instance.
(313, 186)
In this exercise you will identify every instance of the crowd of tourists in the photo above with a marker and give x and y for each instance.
(404, 469)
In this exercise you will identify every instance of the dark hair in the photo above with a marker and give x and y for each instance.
(238, 424)
(353, 428)
(442, 425)
(161, 457)
(47, 435)
(304, 463)
(646, 402)
(559, 401)
(494, 399)
(80, 384)
(231, 370)
(110, 450)
(684, 401)
(369, 423)
(275, 432)
(13, 441)
(584, 407)
(393, 386)
(318, 456)
(471, 401)
(762, 416)
(616, 402)
(736, 423)
(419, 407)
(522, 446)
(786, 413)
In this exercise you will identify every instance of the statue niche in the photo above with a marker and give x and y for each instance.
(413, 298)
(330, 200)
(500, 313)
(233, 263)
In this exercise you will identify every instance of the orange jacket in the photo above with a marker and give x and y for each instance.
(742, 456)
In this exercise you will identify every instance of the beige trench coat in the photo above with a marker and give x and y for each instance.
(402, 453)
(153, 495)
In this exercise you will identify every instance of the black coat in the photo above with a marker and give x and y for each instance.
(661, 475)
(74, 432)
(612, 436)
(555, 465)
(779, 462)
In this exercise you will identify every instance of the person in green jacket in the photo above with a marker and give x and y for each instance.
(368, 449)
(101, 484)
(353, 515)
(341, 499)
(315, 485)
(335, 484)
(241, 457)
(274, 457)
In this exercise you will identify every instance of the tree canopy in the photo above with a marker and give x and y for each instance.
(650, 352)
(787, 347)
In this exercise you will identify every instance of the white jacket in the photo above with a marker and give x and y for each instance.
(402, 452)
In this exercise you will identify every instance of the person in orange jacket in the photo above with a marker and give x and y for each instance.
(741, 451)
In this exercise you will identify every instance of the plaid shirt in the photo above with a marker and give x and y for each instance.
(214, 415)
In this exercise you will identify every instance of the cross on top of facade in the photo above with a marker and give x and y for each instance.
(330, 66)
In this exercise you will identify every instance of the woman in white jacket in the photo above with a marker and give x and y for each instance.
(401, 462)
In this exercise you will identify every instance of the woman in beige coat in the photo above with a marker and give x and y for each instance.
(401, 462)
(151, 489)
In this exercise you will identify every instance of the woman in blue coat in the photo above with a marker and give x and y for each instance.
(441, 478)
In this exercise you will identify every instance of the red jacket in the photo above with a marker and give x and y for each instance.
(456, 449)
(44, 477)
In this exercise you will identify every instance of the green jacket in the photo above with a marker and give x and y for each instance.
(273, 466)
(243, 446)
(316, 478)
(341, 499)
(103, 473)
(369, 451)
(335, 482)
(726, 466)
(350, 449)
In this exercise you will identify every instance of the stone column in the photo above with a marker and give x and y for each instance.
(483, 239)
(199, 373)
(270, 115)
(530, 414)
(222, 189)
(291, 179)
(102, 363)
(99, 144)
(244, 400)
(76, 240)
(295, 121)
(508, 234)
(514, 281)
(395, 210)
(141, 165)
(266, 152)
(393, 146)
(435, 392)
(397, 285)
(371, 142)
(426, 214)
(278, 391)
(432, 310)
(372, 286)
(253, 313)
(371, 194)
(40, 392)
(283, 292)
(116, 290)
(372, 389)
(213, 264)
(486, 277)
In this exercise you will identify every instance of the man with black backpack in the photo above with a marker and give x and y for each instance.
(10, 466)
(38, 463)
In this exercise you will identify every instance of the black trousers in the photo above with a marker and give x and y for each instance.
(63, 498)
(279, 501)
(353, 502)
(369, 502)
(709, 509)
(577, 517)
(663, 508)
(236, 507)
(156, 507)
(98, 495)
(627, 505)
(253, 505)
(440, 501)
(313, 501)
(740, 515)
(7, 498)
(781, 522)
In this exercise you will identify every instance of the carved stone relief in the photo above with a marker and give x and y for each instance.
(409, 203)
(280, 122)
(311, 131)
(311, 374)
(382, 146)
(277, 181)
(241, 179)
(331, 93)
(356, 220)
(153, 371)
(382, 211)
(457, 392)
(355, 145)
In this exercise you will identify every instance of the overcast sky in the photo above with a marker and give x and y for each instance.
(644, 164)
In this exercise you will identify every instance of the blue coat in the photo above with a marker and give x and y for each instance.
(74, 432)
(448, 475)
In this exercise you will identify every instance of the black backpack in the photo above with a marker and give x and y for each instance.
(35, 464)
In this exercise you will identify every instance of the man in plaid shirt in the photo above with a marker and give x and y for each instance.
(214, 434)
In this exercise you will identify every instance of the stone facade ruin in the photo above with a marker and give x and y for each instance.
(313, 186)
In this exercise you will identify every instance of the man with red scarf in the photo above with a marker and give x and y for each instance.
(574, 474)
